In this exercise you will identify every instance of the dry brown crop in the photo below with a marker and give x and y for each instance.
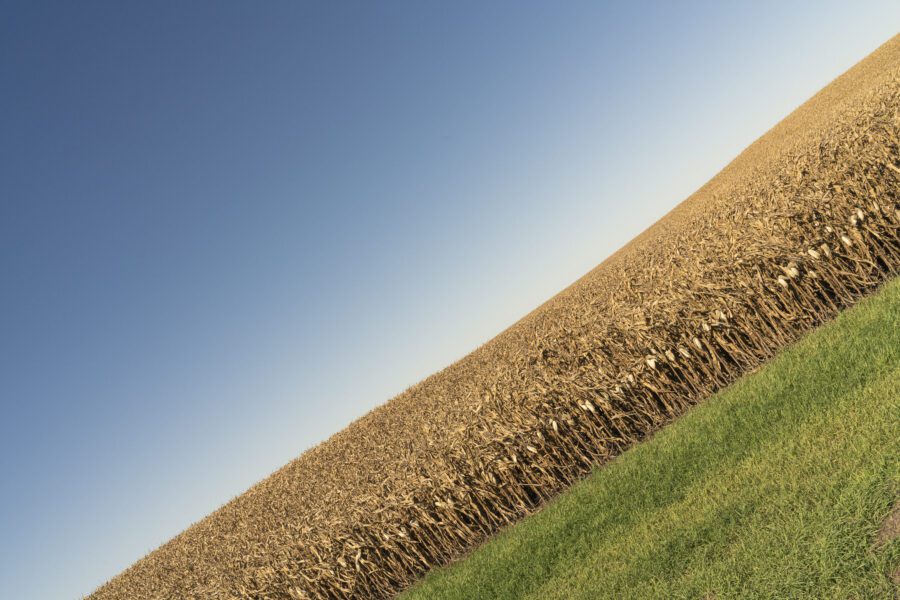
(802, 224)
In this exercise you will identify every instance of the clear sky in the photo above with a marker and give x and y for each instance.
(228, 229)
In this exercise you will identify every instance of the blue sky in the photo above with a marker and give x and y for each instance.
(228, 229)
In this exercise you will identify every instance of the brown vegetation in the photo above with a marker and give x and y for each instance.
(890, 528)
(802, 224)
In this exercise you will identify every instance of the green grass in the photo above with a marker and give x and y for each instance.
(774, 488)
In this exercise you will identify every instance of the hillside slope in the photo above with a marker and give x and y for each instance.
(802, 224)
(775, 488)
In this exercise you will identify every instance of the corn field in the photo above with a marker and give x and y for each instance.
(800, 226)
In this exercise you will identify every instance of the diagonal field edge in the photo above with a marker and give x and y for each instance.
(813, 383)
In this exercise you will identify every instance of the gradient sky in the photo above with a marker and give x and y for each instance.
(228, 229)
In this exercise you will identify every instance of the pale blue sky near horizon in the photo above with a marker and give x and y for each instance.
(228, 229)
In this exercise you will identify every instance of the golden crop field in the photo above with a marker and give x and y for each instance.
(802, 224)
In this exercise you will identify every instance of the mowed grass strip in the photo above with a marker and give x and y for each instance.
(775, 488)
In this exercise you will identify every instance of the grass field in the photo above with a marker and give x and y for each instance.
(775, 488)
